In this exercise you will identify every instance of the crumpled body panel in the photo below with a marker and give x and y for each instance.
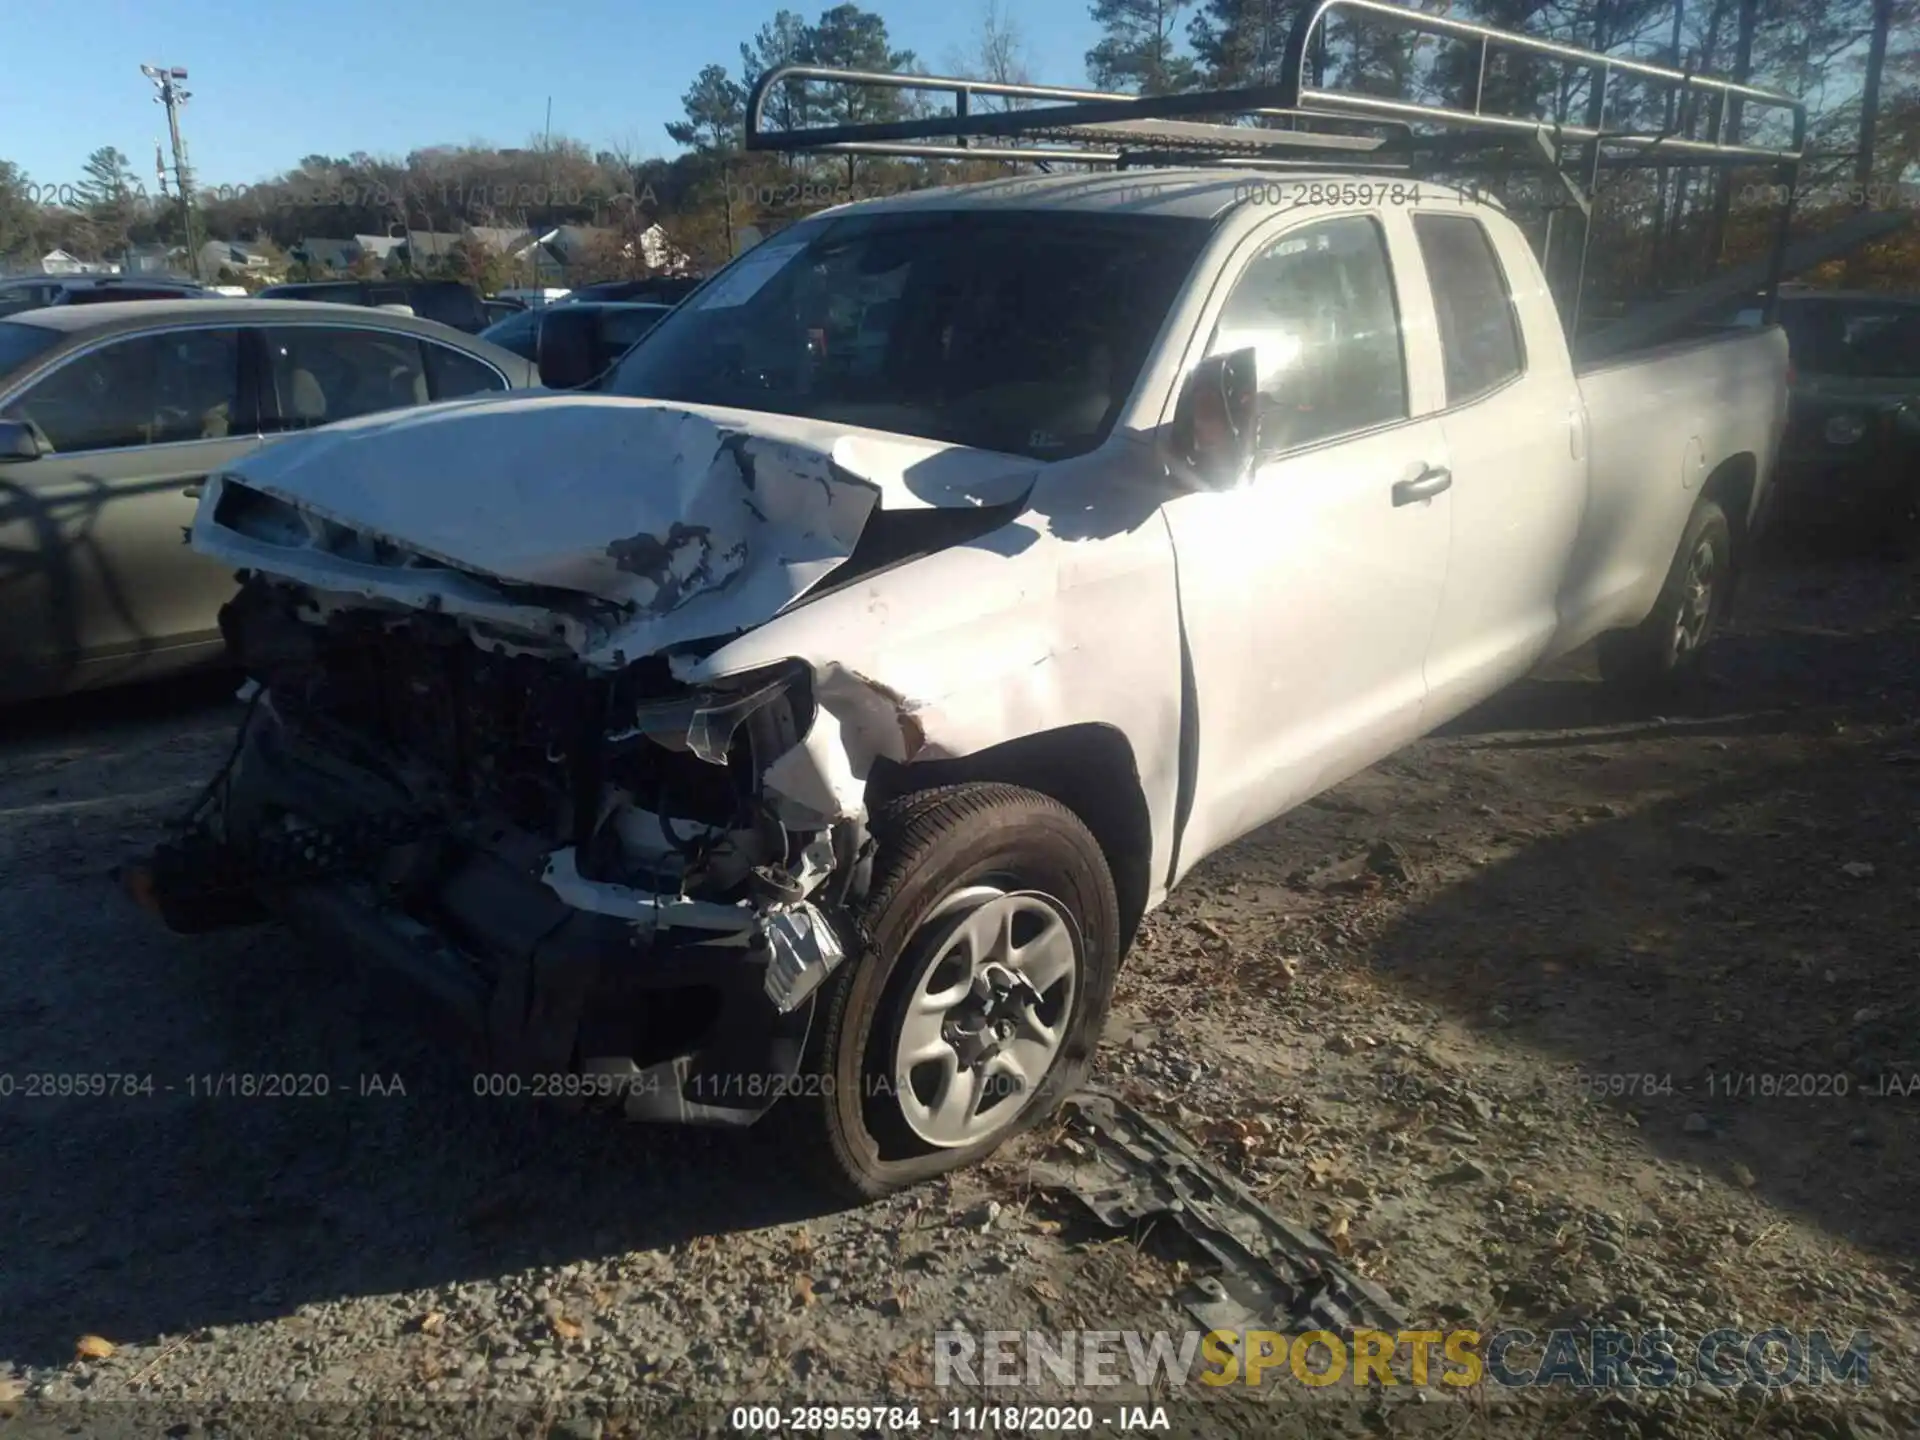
(686, 523)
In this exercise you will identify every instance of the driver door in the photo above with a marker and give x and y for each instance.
(95, 570)
(1309, 588)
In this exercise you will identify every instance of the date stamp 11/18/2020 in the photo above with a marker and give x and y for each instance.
(206, 1085)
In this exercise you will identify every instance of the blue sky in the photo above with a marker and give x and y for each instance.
(272, 83)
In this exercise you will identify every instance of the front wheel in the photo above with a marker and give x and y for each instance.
(980, 975)
(1667, 647)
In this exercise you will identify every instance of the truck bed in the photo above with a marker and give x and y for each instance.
(1660, 422)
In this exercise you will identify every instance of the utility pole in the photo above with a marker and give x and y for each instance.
(170, 93)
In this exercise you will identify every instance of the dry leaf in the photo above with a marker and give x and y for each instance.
(1337, 1236)
(908, 1369)
(432, 1322)
(1044, 1290)
(92, 1347)
(566, 1329)
(803, 1295)
(1047, 1227)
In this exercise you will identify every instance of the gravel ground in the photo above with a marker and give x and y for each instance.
(1486, 1014)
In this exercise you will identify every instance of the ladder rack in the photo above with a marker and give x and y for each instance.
(1291, 123)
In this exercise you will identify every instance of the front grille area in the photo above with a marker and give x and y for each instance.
(512, 735)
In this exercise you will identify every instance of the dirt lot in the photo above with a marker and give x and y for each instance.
(1562, 1018)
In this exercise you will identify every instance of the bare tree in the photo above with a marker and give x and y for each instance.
(998, 53)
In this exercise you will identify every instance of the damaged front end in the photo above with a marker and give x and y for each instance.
(589, 869)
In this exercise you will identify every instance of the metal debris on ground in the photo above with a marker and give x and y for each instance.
(1273, 1274)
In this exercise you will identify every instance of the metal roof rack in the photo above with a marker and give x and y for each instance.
(1291, 119)
(1093, 127)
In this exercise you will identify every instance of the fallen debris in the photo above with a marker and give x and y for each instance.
(1273, 1274)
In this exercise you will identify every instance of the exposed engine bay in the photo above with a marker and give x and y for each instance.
(403, 745)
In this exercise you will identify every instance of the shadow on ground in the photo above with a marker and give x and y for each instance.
(183, 1202)
(1754, 938)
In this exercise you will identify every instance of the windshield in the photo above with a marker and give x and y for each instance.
(20, 345)
(1018, 331)
(1857, 339)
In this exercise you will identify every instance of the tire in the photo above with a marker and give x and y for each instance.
(987, 853)
(1667, 647)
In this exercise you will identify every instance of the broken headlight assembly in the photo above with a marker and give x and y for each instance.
(707, 719)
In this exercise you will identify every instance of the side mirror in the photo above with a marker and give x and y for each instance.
(1217, 417)
(567, 349)
(20, 441)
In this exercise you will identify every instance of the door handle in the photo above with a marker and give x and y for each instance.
(192, 492)
(1424, 486)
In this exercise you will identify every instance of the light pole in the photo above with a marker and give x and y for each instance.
(170, 93)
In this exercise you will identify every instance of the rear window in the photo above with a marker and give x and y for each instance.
(20, 345)
(1479, 339)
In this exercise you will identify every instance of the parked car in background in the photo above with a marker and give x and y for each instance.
(447, 301)
(498, 309)
(535, 297)
(659, 289)
(34, 292)
(616, 330)
(110, 418)
(1851, 458)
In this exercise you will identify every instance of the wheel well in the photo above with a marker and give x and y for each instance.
(1731, 487)
(1088, 768)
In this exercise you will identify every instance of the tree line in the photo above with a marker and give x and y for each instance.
(1855, 63)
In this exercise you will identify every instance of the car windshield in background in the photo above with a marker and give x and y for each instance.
(20, 345)
(1017, 331)
(1854, 339)
(519, 332)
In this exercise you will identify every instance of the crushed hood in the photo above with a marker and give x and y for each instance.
(692, 521)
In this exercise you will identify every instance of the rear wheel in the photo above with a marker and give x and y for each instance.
(1667, 647)
(981, 970)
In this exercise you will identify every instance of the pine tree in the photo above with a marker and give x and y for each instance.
(1139, 48)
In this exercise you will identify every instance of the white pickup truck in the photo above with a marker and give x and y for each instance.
(810, 711)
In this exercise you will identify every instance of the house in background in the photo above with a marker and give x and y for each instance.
(420, 248)
(154, 260)
(576, 245)
(379, 248)
(321, 253)
(238, 256)
(62, 262)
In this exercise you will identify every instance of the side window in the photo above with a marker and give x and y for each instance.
(145, 390)
(1479, 336)
(1317, 308)
(323, 373)
(451, 374)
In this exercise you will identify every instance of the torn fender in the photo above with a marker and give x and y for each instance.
(1014, 634)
